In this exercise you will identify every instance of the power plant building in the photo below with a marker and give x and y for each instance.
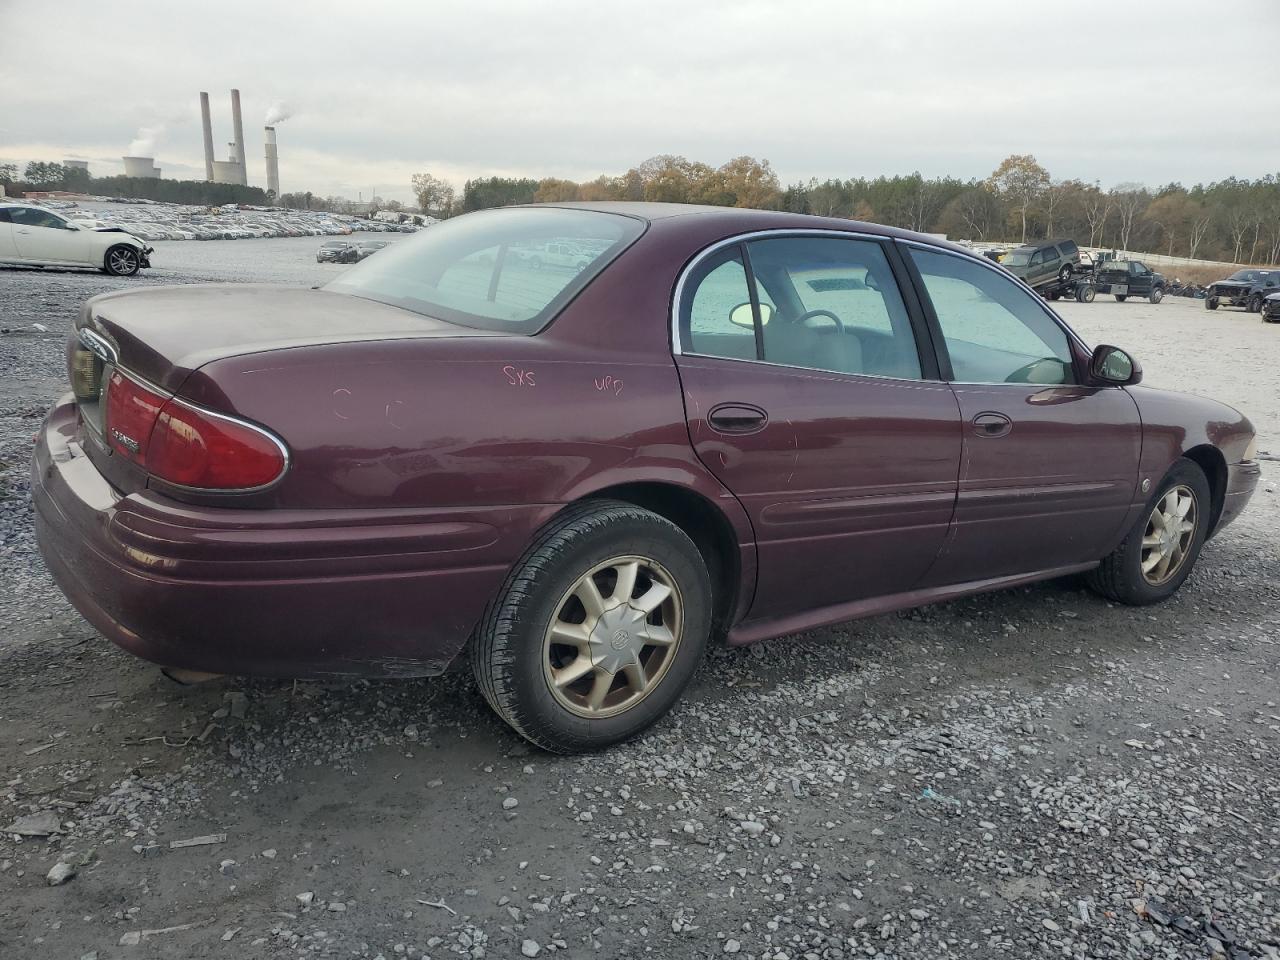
(224, 171)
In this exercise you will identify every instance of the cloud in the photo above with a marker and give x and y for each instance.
(823, 88)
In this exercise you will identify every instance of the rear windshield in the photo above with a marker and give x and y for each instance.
(507, 270)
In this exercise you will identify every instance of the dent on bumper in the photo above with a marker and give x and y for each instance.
(290, 593)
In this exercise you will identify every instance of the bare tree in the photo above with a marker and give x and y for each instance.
(1097, 208)
(1129, 200)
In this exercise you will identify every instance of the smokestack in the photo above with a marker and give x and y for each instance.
(207, 122)
(273, 163)
(238, 127)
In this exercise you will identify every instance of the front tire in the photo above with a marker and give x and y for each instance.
(121, 261)
(1121, 297)
(1160, 551)
(1211, 303)
(598, 629)
(1254, 304)
(1157, 294)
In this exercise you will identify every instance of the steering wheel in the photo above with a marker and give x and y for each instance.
(822, 313)
(1026, 374)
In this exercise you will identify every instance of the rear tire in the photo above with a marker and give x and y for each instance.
(1064, 275)
(528, 645)
(1253, 304)
(121, 261)
(1124, 576)
(1086, 293)
(1121, 297)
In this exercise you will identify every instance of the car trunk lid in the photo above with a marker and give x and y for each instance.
(158, 336)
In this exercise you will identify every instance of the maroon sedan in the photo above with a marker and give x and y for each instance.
(573, 471)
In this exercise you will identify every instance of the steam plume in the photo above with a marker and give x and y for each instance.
(278, 112)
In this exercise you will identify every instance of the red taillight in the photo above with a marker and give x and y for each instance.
(182, 444)
(197, 449)
(131, 413)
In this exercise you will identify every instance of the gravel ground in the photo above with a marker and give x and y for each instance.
(1031, 773)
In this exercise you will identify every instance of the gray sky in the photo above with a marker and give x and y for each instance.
(380, 90)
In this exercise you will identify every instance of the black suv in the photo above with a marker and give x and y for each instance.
(1129, 278)
(1244, 288)
(1042, 263)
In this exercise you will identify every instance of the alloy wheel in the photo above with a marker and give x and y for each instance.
(123, 261)
(1167, 539)
(614, 635)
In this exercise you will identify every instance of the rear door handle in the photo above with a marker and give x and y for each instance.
(737, 418)
(991, 424)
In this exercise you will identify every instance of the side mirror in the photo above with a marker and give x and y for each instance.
(1112, 365)
(741, 316)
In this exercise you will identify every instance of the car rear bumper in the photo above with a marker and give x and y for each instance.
(1242, 480)
(286, 593)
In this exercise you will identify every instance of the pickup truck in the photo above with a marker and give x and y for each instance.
(1129, 278)
(1244, 288)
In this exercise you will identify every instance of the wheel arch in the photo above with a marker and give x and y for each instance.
(1210, 459)
(706, 525)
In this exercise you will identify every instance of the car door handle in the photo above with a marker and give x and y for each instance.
(737, 418)
(991, 424)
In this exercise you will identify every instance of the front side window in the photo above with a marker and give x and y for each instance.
(835, 306)
(494, 270)
(994, 331)
(31, 217)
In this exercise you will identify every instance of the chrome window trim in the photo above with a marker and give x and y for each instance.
(677, 348)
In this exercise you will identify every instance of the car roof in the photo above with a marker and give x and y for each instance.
(739, 220)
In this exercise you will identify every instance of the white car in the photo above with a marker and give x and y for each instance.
(35, 236)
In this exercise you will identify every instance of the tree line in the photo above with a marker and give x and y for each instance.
(1235, 220)
(40, 176)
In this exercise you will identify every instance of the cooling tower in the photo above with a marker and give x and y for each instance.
(141, 167)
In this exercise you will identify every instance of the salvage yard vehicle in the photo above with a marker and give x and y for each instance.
(1042, 263)
(1271, 308)
(337, 251)
(732, 424)
(367, 248)
(33, 236)
(1244, 288)
(1129, 278)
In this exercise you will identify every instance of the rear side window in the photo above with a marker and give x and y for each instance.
(1069, 249)
(507, 270)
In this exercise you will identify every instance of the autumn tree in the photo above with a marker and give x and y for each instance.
(750, 183)
(1021, 181)
(552, 190)
(432, 193)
